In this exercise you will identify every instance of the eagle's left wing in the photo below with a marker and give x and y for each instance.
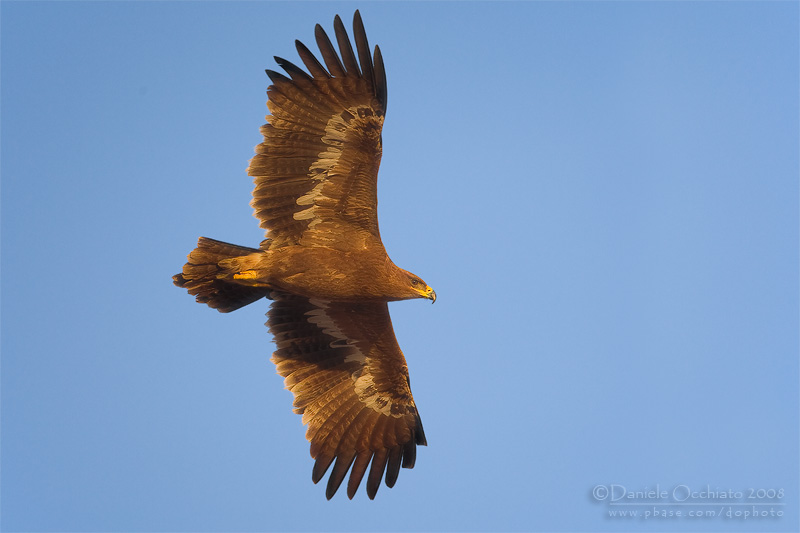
(350, 382)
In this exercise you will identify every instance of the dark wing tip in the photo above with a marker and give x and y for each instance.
(276, 77)
(296, 73)
(376, 472)
(321, 466)
(345, 48)
(338, 473)
(409, 454)
(310, 61)
(329, 54)
(393, 465)
(362, 45)
(367, 66)
(419, 433)
(380, 78)
(357, 473)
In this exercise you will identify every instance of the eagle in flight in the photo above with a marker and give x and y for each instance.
(323, 264)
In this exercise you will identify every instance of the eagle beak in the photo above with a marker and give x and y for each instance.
(430, 294)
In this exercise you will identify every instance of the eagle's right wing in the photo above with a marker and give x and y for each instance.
(316, 171)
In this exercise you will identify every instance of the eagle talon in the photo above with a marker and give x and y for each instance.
(247, 274)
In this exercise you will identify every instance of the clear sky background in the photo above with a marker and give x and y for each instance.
(604, 196)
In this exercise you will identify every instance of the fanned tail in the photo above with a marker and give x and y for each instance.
(201, 276)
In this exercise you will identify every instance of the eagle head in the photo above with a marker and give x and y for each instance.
(420, 288)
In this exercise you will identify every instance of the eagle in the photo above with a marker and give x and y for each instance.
(323, 263)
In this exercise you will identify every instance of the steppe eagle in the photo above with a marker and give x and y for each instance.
(323, 264)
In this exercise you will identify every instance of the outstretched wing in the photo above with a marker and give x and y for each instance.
(316, 171)
(350, 382)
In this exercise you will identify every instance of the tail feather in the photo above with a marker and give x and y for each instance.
(199, 277)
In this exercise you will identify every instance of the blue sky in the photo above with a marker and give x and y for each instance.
(604, 196)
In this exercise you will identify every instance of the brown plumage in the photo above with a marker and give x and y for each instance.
(323, 264)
